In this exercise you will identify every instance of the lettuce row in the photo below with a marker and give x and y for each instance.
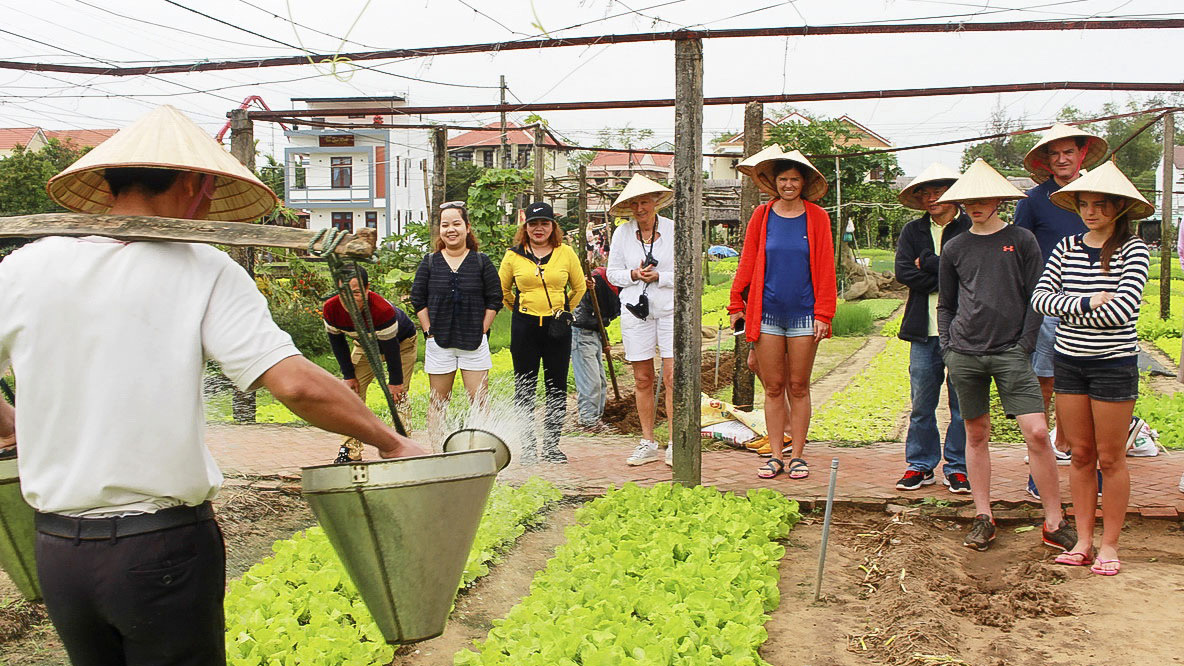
(665, 575)
(869, 408)
(299, 607)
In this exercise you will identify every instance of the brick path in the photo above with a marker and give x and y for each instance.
(866, 475)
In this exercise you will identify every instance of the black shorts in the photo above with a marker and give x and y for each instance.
(1104, 382)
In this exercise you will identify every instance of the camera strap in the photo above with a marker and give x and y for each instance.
(543, 278)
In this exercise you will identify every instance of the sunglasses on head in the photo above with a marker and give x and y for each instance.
(452, 204)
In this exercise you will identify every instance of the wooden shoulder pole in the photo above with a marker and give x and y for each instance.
(688, 248)
(743, 387)
(582, 251)
(242, 147)
(439, 181)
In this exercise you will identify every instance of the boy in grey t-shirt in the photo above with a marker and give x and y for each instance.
(986, 328)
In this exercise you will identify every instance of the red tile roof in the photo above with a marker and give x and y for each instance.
(11, 137)
(493, 137)
(604, 159)
(82, 138)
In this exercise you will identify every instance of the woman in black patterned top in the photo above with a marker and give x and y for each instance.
(456, 295)
(1094, 283)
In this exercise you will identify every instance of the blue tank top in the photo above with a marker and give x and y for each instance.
(788, 299)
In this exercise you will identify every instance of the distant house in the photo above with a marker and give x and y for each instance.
(29, 138)
(483, 148)
(361, 175)
(81, 138)
(1177, 186)
(725, 167)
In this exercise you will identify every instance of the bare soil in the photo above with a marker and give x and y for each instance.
(903, 591)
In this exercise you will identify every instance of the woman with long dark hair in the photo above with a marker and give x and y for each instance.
(785, 292)
(455, 296)
(1094, 283)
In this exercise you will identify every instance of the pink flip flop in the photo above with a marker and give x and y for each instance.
(1075, 559)
(1105, 572)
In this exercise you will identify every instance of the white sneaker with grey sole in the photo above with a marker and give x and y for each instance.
(670, 454)
(646, 452)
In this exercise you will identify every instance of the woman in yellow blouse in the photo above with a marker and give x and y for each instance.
(542, 282)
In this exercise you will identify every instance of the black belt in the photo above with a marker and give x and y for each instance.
(96, 529)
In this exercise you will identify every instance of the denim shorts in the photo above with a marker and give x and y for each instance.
(1104, 383)
(795, 332)
(1046, 342)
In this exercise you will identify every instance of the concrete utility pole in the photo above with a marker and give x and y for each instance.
(439, 181)
(505, 139)
(743, 388)
(540, 163)
(242, 147)
(1166, 238)
(688, 248)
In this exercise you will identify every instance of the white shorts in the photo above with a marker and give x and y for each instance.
(439, 360)
(641, 336)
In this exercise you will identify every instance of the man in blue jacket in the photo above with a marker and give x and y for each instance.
(917, 252)
(1054, 162)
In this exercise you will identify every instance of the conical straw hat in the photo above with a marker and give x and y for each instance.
(933, 174)
(1036, 163)
(164, 139)
(760, 166)
(638, 186)
(1105, 179)
(980, 181)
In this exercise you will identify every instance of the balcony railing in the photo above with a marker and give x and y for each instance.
(327, 194)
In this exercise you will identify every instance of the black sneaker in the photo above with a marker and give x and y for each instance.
(913, 480)
(342, 455)
(958, 483)
(1064, 537)
(982, 533)
(552, 454)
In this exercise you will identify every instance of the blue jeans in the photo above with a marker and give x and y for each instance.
(587, 366)
(922, 446)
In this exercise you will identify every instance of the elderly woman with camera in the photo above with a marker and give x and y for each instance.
(641, 262)
(541, 283)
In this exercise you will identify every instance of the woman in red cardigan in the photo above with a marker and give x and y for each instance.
(784, 291)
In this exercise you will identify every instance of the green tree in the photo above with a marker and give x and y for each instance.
(459, 178)
(486, 206)
(23, 176)
(869, 199)
(1005, 154)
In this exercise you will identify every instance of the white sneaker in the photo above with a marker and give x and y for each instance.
(670, 454)
(646, 452)
(1182, 483)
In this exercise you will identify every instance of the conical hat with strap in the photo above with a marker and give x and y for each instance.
(1036, 161)
(1110, 180)
(934, 174)
(761, 166)
(164, 139)
(981, 181)
(639, 186)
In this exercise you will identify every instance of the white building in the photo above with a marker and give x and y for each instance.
(1177, 186)
(361, 176)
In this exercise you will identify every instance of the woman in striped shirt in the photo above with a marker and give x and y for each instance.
(1094, 283)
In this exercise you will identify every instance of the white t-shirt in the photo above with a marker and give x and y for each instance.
(627, 252)
(109, 342)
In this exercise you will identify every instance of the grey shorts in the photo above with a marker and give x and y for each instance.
(1046, 347)
(1019, 390)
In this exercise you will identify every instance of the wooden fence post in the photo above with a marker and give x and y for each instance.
(439, 181)
(242, 147)
(743, 386)
(688, 248)
(1166, 239)
(540, 166)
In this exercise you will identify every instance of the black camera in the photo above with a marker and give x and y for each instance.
(642, 309)
(649, 260)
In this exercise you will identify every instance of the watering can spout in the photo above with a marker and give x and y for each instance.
(403, 529)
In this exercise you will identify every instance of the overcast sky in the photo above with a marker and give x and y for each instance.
(90, 32)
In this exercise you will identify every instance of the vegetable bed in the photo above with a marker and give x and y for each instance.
(869, 408)
(300, 606)
(662, 575)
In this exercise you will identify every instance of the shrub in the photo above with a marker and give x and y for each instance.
(851, 319)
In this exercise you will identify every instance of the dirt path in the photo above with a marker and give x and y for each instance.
(493, 596)
(928, 600)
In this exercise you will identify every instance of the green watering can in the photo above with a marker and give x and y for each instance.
(17, 533)
(403, 529)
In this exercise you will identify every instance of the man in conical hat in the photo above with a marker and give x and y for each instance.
(1055, 161)
(110, 341)
(987, 329)
(917, 251)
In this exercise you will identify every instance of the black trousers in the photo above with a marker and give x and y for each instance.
(531, 343)
(151, 599)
